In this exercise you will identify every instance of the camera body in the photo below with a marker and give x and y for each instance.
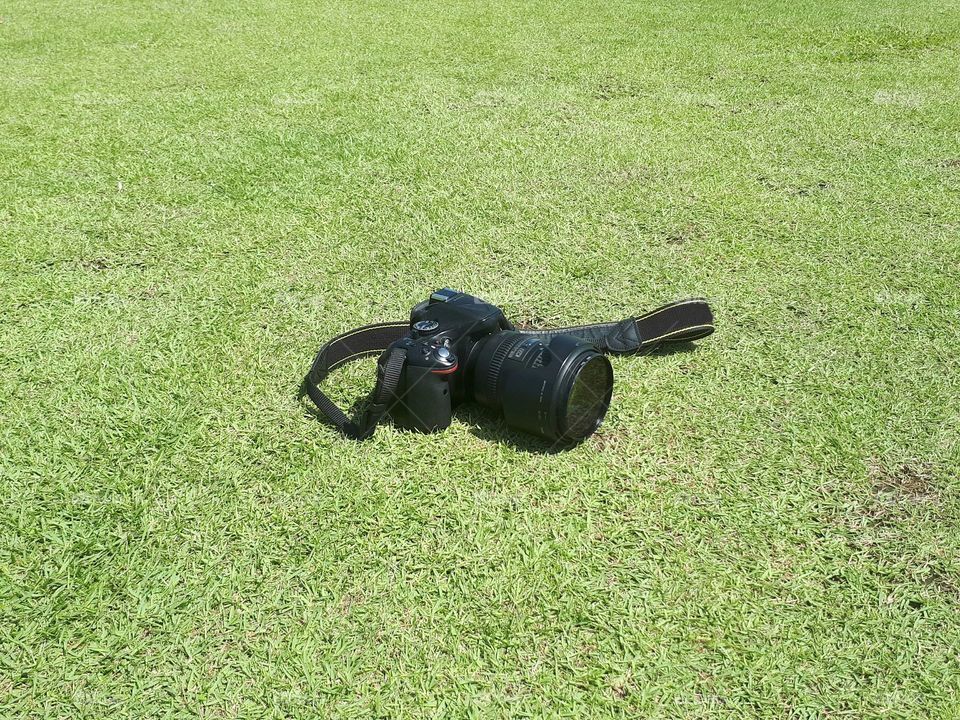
(461, 348)
(443, 331)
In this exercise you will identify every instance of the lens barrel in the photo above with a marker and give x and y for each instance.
(557, 387)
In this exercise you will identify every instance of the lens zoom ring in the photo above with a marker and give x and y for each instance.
(496, 363)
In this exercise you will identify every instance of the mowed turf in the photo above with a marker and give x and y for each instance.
(194, 196)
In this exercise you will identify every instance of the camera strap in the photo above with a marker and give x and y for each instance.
(680, 321)
(353, 345)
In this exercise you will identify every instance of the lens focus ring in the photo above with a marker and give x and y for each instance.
(496, 363)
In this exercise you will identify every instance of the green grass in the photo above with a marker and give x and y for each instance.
(194, 196)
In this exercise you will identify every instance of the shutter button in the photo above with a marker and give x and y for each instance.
(443, 353)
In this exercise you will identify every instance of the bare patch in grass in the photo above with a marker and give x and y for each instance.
(102, 264)
(532, 321)
(615, 89)
(793, 189)
(620, 689)
(882, 531)
(683, 235)
(912, 481)
(608, 441)
(894, 493)
(943, 581)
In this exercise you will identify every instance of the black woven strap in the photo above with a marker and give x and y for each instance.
(676, 322)
(358, 343)
(680, 321)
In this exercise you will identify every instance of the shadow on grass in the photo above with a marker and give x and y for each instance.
(488, 424)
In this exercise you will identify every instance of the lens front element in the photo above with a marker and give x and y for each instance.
(588, 399)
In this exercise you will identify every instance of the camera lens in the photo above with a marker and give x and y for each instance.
(557, 387)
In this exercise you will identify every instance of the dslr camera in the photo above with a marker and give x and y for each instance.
(461, 349)
(456, 348)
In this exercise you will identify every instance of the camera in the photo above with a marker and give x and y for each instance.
(457, 348)
(460, 349)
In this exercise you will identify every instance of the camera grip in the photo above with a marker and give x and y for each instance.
(424, 403)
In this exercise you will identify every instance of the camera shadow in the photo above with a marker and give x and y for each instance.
(490, 427)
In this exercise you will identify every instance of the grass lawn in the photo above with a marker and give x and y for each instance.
(194, 196)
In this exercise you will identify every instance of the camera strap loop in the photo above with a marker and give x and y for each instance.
(358, 343)
(681, 321)
(388, 378)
